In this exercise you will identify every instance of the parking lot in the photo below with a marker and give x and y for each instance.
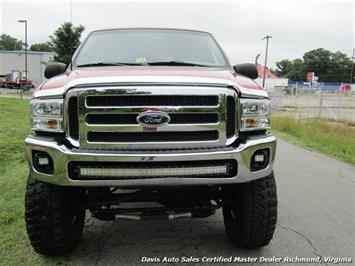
(6, 91)
(316, 207)
(338, 107)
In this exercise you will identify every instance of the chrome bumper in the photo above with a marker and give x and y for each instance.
(62, 155)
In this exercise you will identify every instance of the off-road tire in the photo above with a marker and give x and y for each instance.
(250, 212)
(54, 217)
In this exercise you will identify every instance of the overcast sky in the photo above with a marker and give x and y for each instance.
(239, 26)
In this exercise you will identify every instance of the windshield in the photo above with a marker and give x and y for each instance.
(149, 46)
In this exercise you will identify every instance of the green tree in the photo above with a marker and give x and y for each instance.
(319, 62)
(65, 41)
(340, 67)
(328, 66)
(283, 67)
(42, 47)
(293, 70)
(9, 43)
(298, 71)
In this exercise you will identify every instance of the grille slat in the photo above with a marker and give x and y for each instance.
(131, 118)
(231, 118)
(73, 118)
(152, 100)
(153, 136)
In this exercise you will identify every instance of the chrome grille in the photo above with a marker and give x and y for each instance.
(201, 117)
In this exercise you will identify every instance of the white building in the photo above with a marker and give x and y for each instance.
(272, 81)
(13, 62)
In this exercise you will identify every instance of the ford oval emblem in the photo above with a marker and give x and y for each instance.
(153, 119)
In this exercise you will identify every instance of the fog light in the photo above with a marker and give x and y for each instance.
(260, 160)
(42, 162)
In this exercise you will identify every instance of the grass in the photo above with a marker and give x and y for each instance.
(336, 139)
(15, 248)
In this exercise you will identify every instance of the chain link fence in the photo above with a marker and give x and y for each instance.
(302, 102)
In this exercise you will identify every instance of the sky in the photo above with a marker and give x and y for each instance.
(296, 26)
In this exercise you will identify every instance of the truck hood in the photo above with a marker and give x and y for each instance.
(58, 86)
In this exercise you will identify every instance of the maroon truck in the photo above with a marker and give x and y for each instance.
(149, 122)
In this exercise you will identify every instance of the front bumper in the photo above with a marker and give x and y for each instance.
(62, 155)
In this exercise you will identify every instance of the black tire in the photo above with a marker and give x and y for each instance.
(54, 218)
(250, 212)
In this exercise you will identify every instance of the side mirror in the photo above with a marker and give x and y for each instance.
(54, 69)
(249, 70)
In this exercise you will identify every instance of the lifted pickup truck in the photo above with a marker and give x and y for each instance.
(149, 122)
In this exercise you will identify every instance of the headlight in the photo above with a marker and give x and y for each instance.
(47, 115)
(255, 114)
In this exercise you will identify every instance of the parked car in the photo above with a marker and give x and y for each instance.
(2, 82)
(15, 84)
(345, 88)
(154, 115)
(10, 84)
(25, 84)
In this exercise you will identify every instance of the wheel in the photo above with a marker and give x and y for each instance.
(250, 212)
(54, 218)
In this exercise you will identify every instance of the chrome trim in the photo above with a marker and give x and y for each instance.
(62, 155)
(128, 80)
(84, 128)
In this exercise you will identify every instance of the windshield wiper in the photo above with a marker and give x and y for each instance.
(158, 63)
(176, 63)
(108, 64)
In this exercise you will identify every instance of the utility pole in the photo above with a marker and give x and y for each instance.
(24, 21)
(71, 10)
(266, 51)
(19, 86)
(352, 67)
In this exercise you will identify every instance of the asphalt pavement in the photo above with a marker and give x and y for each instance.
(315, 219)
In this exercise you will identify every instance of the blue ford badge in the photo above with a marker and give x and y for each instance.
(153, 119)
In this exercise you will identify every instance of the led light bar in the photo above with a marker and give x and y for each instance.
(140, 170)
(154, 172)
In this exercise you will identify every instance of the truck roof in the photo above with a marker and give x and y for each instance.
(153, 28)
